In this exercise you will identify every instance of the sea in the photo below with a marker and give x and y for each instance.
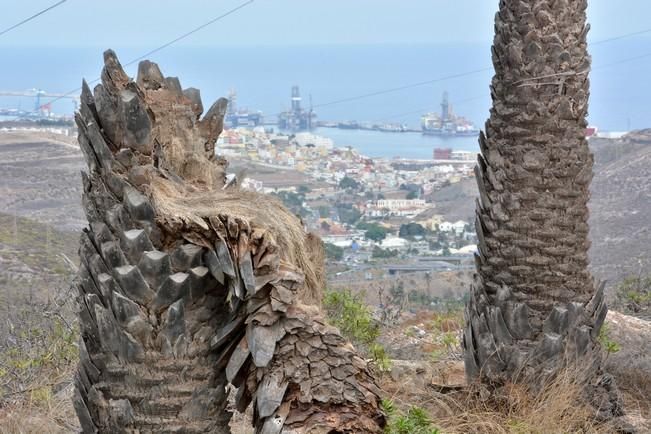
(366, 83)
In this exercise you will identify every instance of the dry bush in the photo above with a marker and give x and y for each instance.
(40, 412)
(635, 385)
(558, 407)
(38, 354)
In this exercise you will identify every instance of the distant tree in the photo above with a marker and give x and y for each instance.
(633, 294)
(435, 245)
(324, 211)
(325, 226)
(381, 196)
(412, 195)
(446, 251)
(348, 183)
(398, 289)
(303, 189)
(380, 253)
(348, 214)
(333, 252)
(411, 230)
(375, 233)
(428, 281)
(293, 201)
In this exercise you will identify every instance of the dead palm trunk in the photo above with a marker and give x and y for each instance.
(187, 285)
(534, 307)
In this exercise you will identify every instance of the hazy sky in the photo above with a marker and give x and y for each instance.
(148, 23)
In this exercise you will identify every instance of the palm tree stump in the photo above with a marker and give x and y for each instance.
(189, 286)
(534, 307)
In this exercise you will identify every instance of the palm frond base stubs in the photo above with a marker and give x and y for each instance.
(188, 286)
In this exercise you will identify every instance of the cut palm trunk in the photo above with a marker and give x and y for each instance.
(188, 284)
(534, 308)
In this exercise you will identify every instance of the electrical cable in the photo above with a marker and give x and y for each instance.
(167, 44)
(26, 20)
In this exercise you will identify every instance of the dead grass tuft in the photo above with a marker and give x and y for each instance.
(515, 409)
(178, 206)
(38, 408)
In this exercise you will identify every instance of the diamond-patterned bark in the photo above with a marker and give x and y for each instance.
(534, 305)
(185, 287)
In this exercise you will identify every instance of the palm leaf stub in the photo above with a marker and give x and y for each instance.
(534, 306)
(186, 287)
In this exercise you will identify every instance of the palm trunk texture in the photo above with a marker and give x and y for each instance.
(534, 307)
(189, 287)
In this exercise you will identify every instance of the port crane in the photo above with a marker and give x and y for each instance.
(37, 94)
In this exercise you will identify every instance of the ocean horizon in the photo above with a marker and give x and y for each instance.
(263, 76)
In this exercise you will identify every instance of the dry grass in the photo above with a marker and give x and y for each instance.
(555, 408)
(44, 405)
(39, 413)
(179, 206)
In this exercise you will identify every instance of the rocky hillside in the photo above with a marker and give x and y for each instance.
(39, 178)
(620, 207)
(37, 264)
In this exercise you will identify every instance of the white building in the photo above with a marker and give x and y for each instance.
(458, 227)
(396, 207)
(304, 139)
(394, 243)
(463, 155)
(400, 204)
(252, 184)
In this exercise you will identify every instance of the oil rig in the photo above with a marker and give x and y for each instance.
(447, 123)
(297, 119)
(237, 117)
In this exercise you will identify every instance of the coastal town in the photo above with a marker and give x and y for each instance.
(367, 210)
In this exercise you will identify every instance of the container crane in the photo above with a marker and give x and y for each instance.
(37, 94)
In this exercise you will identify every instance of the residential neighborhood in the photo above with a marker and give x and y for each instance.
(365, 209)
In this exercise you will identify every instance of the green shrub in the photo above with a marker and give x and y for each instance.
(380, 253)
(609, 345)
(355, 321)
(351, 316)
(633, 295)
(416, 421)
(333, 252)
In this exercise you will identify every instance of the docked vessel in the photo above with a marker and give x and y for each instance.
(447, 123)
(348, 125)
(238, 117)
(297, 119)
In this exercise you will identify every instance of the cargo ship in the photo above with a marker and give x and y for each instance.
(447, 123)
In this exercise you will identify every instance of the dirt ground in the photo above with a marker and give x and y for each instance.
(40, 178)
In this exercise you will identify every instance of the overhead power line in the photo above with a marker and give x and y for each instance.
(382, 91)
(26, 20)
(478, 71)
(617, 38)
(407, 86)
(191, 32)
(427, 109)
(167, 44)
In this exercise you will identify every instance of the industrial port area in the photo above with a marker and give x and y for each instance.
(297, 118)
